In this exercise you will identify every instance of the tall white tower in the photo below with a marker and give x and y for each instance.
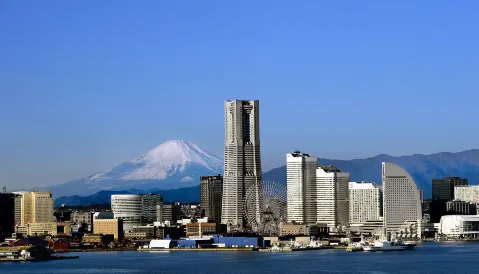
(332, 196)
(401, 199)
(364, 202)
(301, 187)
(242, 168)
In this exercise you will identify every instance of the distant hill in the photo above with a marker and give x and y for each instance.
(423, 168)
(183, 195)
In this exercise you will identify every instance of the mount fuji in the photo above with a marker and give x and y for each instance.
(171, 165)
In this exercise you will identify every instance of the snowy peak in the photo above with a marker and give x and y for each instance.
(179, 153)
(171, 165)
(168, 159)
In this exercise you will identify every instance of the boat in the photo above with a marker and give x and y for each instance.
(387, 246)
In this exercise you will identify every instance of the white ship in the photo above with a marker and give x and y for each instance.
(387, 246)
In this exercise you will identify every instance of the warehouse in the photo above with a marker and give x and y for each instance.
(236, 241)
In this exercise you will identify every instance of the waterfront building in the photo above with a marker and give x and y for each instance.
(332, 196)
(443, 190)
(211, 196)
(467, 193)
(242, 166)
(7, 213)
(200, 229)
(109, 227)
(150, 203)
(368, 228)
(151, 231)
(461, 208)
(301, 187)
(293, 229)
(171, 213)
(401, 201)
(456, 226)
(364, 202)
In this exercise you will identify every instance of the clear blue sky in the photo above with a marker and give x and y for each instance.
(86, 85)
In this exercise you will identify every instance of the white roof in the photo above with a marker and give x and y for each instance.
(363, 185)
(466, 218)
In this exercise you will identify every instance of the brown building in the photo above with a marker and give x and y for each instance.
(98, 239)
(109, 227)
(59, 244)
(294, 229)
(200, 229)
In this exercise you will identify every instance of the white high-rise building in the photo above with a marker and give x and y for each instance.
(364, 202)
(127, 207)
(401, 200)
(467, 193)
(332, 196)
(301, 187)
(242, 167)
(136, 209)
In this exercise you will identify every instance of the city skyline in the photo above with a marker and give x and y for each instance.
(83, 96)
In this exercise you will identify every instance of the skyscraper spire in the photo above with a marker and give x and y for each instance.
(242, 159)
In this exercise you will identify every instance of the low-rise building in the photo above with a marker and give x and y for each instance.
(37, 229)
(368, 228)
(136, 235)
(151, 231)
(98, 239)
(59, 244)
(460, 225)
(109, 227)
(81, 217)
(461, 208)
(292, 229)
(200, 229)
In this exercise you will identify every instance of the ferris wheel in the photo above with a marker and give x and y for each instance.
(265, 207)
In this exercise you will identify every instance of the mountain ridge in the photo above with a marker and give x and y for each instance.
(173, 164)
(422, 167)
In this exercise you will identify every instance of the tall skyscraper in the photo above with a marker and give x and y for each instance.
(33, 213)
(7, 213)
(242, 160)
(35, 207)
(401, 201)
(150, 204)
(211, 196)
(332, 196)
(443, 189)
(301, 187)
(364, 202)
(443, 192)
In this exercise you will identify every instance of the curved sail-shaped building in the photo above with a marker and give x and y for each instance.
(401, 200)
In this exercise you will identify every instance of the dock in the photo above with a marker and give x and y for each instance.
(199, 249)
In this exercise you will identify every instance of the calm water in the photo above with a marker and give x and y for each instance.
(427, 258)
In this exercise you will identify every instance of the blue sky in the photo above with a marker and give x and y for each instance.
(86, 85)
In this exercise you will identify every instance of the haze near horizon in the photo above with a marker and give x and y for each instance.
(85, 86)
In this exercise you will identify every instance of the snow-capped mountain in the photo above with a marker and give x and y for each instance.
(171, 165)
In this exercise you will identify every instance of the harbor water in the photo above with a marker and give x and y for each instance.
(451, 257)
